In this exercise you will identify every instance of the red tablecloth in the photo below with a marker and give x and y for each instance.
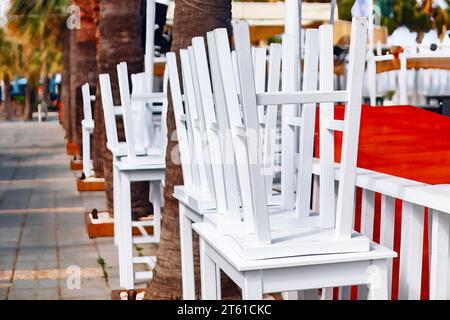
(407, 142)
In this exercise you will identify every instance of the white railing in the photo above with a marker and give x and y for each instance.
(417, 199)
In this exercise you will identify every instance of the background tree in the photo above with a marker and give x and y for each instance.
(8, 69)
(119, 36)
(37, 28)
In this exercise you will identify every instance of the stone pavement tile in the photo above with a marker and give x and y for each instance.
(36, 264)
(15, 199)
(7, 262)
(44, 197)
(24, 172)
(70, 219)
(3, 293)
(35, 284)
(98, 293)
(7, 251)
(44, 171)
(34, 294)
(97, 282)
(40, 219)
(7, 172)
(65, 199)
(39, 253)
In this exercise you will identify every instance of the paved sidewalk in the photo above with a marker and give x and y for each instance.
(43, 242)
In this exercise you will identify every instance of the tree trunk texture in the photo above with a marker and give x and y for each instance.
(97, 140)
(7, 100)
(192, 18)
(83, 63)
(30, 102)
(119, 41)
(65, 88)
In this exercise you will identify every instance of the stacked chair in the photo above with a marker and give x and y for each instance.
(87, 127)
(268, 242)
(134, 160)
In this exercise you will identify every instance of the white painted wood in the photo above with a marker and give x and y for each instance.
(87, 127)
(197, 137)
(208, 274)
(250, 112)
(287, 132)
(229, 168)
(206, 107)
(439, 267)
(125, 248)
(326, 114)
(187, 256)
(346, 195)
(235, 121)
(271, 115)
(387, 231)
(122, 73)
(252, 289)
(150, 42)
(367, 213)
(295, 273)
(411, 252)
(308, 115)
(180, 119)
(112, 140)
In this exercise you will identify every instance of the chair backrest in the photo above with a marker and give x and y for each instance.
(181, 121)
(87, 106)
(193, 101)
(108, 112)
(125, 97)
(244, 125)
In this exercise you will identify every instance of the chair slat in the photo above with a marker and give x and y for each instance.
(108, 111)
(124, 87)
(271, 115)
(326, 114)
(411, 249)
(180, 118)
(254, 149)
(206, 107)
(287, 131)
(346, 195)
(440, 267)
(229, 169)
(308, 115)
(387, 230)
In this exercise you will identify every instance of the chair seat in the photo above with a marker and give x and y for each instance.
(140, 163)
(227, 249)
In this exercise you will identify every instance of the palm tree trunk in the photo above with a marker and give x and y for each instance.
(65, 88)
(83, 62)
(192, 18)
(7, 97)
(120, 31)
(30, 101)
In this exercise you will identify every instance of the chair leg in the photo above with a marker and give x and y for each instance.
(157, 210)
(378, 281)
(187, 255)
(126, 240)
(116, 203)
(207, 274)
(252, 289)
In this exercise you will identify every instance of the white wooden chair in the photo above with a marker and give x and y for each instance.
(197, 100)
(243, 256)
(377, 84)
(260, 241)
(87, 127)
(130, 164)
